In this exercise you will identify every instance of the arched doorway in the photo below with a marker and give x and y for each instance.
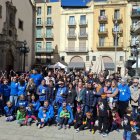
(76, 62)
(9, 60)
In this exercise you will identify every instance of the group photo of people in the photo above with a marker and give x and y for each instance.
(101, 103)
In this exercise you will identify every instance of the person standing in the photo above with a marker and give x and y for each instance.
(124, 97)
(135, 93)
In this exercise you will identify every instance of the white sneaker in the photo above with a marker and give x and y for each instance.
(39, 126)
(77, 130)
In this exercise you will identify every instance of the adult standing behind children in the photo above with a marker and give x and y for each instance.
(124, 97)
(135, 93)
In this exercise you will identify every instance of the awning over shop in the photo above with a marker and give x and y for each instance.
(108, 63)
(76, 65)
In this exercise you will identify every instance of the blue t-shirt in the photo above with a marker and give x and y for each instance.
(21, 89)
(37, 78)
(14, 89)
(43, 90)
(6, 90)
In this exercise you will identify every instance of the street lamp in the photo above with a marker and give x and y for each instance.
(24, 50)
(135, 49)
(116, 44)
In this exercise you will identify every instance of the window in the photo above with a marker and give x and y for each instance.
(121, 58)
(49, 32)
(101, 41)
(49, 20)
(38, 32)
(62, 58)
(82, 31)
(83, 19)
(0, 11)
(39, 21)
(93, 58)
(49, 45)
(117, 14)
(38, 46)
(102, 12)
(82, 45)
(38, 11)
(49, 10)
(87, 58)
(71, 44)
(71, 31)
(102, 27)
(72, 20)
(20, 24)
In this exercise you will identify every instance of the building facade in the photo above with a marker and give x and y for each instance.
(111, 29)
(76, 38)
(47, 32)
(15, 27)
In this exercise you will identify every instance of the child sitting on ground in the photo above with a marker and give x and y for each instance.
(43, 117)
(78, 119)
(64, 117)
(30, 116)
(88, 122)
(9, 111)
(21, 114)
(116, 120)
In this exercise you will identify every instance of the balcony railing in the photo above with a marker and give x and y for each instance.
(119, 31)
(49, 36)
(39, 24)
(44, 50)
(39, 36)
(135, 14)
(72, 49)
(72, 23)
(83, 23)
(102, 19)
(49, 24)
(71, 35)
(83, 35)
(117, 18)
(103, 31)
(109, 45)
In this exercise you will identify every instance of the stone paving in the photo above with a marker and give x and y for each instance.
(12, 131)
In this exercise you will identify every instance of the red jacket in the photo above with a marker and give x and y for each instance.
(118, 119)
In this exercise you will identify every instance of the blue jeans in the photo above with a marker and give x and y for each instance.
(134, 111)
(13, 99)
(127, 135)
(88, 109)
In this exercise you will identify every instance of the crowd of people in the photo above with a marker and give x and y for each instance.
(85, 100)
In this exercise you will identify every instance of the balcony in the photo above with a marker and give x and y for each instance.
(119, 31)
(72, 49)
(44, 50)
(83, 23)
(49, 24)
(83, 35)
(39, 24)
(72, 24)
(109, 46)
(49, 36)
(135, 14)
(71, 35)
(39, 36)
(102, 19)
(137, 28)
(117, 18)
(103, 32)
